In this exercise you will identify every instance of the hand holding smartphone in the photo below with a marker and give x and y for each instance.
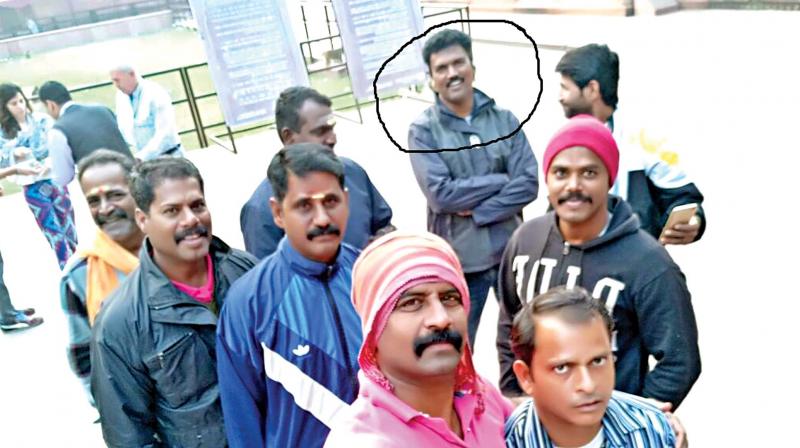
(681, 214)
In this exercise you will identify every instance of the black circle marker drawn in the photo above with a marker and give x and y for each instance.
(386, 62)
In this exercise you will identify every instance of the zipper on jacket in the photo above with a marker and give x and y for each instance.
(162, 354)
(338, 319)
(566, 248)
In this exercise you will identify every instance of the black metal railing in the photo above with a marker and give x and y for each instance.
(204, 120)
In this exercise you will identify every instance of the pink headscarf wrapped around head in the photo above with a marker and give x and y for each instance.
(390, 266)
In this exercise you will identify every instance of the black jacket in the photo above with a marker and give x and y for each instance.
(636, 278)
(653, 204)
(153, 358)
(89, 127)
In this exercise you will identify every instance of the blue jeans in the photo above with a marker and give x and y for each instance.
(479, 284)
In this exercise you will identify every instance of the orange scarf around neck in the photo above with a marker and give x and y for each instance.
(103, 259)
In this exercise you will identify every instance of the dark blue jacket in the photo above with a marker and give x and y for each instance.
(287, 345)
(369, 212)
(494, 182)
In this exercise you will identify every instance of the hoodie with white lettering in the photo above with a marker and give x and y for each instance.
(635, 277)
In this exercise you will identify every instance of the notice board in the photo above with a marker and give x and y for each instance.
(252, 54)
(374, 30)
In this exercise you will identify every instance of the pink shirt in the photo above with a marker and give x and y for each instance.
(378, 419)
(203, 294)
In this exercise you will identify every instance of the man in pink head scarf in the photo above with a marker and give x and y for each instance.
(418, 386)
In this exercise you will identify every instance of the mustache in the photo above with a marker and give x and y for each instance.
(574, 195)
(448, 335)
(199, 230)
(454, 79)
(115, 214)
(330, 229)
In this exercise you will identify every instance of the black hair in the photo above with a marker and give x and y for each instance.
(54, 91)
(8, 123)
(574, 305)
(446, 39)
(590, 62)
(101, 157)
(301, 159)
(287, 108)
(148, 175)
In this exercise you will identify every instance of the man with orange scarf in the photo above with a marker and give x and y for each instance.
(418, 386)
(96, 270)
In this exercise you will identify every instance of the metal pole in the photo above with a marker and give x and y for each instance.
(355, 98)
(328, 23)
(233, 142)
(358, 108)
(305, 25)
(193, 109)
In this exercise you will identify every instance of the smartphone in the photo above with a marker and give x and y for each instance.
(679, 215)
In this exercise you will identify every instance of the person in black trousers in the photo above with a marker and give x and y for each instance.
(10, 317)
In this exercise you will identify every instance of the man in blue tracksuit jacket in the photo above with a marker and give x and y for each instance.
(288, 336)
(303, 115)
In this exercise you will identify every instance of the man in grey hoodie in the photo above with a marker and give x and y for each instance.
(475, 196)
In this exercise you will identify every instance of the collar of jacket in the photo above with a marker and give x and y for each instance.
(623, 222)
(480, 102)
(167, 303)
(303, 265)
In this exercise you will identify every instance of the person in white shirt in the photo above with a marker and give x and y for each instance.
(145, 115)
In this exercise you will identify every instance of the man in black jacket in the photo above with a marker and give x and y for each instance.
(153, 342)
(593, 240)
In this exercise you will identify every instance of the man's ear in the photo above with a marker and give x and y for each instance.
(277, 212)
(524, 377)
(141, 219)
(592, 90)
(286, 136)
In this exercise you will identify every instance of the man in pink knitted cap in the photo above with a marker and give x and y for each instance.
(593, 239)
(418, 386)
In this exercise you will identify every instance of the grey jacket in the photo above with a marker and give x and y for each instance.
(154, 373)
(493, 182)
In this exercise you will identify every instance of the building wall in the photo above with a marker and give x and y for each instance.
(44, 10)
(740, 4)
(51, 40)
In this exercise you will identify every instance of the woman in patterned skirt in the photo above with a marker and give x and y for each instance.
(23, 140)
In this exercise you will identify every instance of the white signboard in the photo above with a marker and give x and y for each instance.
(373, 31)
(252, 54)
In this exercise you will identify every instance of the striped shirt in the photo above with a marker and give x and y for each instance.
(629, 422)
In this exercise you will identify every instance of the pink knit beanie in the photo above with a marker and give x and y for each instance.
(587, 131)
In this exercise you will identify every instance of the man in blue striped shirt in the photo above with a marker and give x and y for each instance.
(562, 345)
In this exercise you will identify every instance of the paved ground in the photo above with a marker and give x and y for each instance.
(721, 83)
